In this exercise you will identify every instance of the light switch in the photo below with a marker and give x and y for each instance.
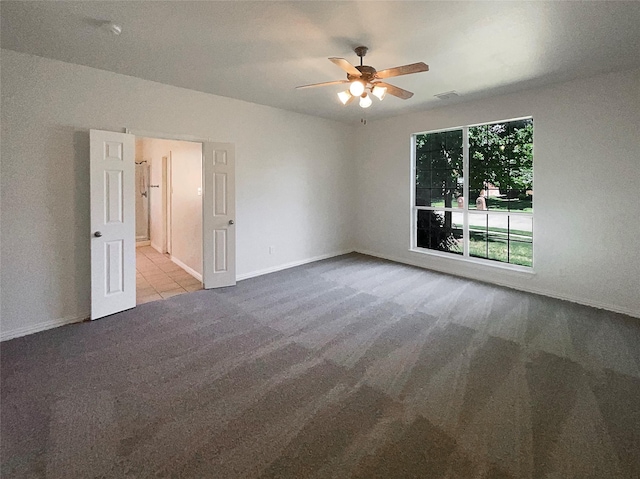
(199, 190)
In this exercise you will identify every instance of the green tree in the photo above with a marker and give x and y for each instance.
(502, 154)
(439, 166)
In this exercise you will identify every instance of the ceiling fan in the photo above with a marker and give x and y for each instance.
(364, 77)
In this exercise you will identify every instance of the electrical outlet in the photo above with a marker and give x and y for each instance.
(199, 191)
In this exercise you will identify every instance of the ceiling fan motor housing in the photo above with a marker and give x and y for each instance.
(367, 74)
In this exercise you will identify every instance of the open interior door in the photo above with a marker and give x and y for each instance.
(219, 209)
(113, 248)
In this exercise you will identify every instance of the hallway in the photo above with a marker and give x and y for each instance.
(157, 277)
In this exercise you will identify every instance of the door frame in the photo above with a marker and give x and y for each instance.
(206, 249)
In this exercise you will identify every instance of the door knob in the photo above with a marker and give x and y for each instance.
(97, 234)
(230, 222)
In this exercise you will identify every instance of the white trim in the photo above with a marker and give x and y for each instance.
(413, 221)
(36, 328)
(156, 247)
(293, 264)
(143, 243)
(465, 195)
(166, 136)
(474, 260)
(543, 292)
(189, 270)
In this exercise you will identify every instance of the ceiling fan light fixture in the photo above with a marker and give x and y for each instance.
(363, 81)
(356, 88)
(365, 101)
(345, 96)
(379, 91)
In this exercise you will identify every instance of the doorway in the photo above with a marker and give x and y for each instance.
(169, 255)
(113, 221)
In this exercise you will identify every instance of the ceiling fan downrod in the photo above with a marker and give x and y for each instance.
(361, 51)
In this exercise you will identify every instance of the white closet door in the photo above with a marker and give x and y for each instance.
(219, 268)
(113, 248)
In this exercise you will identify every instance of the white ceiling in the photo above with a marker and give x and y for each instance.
(260, 51)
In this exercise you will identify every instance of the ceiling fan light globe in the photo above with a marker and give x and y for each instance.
(379, 91)
(365, 101)
(356, 88)
(345, 96)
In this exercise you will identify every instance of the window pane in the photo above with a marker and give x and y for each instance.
(478, 235)
(498, 224)
(498, 240)
(439, 165)
(521, 228)
(496, 201)
(501, 163)
(437, 197)
(521, 240)
(423, 197)
(521, 253)
(498, 248)
(440, 230)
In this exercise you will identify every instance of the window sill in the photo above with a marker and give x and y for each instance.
(476, 261)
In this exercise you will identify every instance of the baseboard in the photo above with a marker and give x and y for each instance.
(293, 264)
(36, 328)
(189, 270)
(550, 294)
(156, 247)
(143, 243)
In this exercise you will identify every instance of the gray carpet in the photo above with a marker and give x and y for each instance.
(352, 367)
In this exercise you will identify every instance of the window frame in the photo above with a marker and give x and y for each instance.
(465, 257)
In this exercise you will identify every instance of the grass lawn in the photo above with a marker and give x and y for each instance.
(497, 248)
(514, 252)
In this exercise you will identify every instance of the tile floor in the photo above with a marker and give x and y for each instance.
(157, 277)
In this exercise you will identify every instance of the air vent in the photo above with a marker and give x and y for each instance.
(447, 95)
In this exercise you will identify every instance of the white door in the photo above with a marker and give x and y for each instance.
(219, 208)
(113, 248)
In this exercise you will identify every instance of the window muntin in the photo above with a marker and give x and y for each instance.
(497, 222)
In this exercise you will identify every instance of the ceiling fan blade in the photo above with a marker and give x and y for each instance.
(395, 91)
(337, 82)
(346, 66)
(403, 70)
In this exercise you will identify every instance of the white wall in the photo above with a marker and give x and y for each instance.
(186, 204)
(293, 178)
(586, 183)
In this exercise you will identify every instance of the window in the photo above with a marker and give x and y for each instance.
(490, 216)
